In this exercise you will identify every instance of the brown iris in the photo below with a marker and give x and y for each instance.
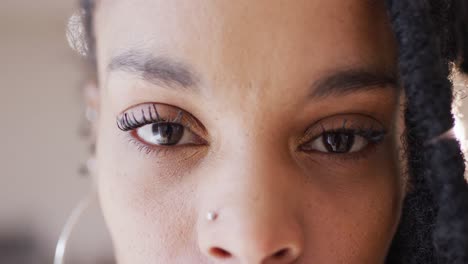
(167, 134)
(338, 142)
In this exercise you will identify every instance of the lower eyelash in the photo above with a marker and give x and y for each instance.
(374, 142)
(356, 156)
(148, 149)
(145, 148)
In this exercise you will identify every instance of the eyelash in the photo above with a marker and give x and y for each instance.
(373, 136)
(129, 122)
(147, 149)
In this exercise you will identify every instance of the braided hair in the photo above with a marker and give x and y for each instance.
(432, 37)
(434, 225)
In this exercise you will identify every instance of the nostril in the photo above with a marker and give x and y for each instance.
(283, 253)
(220, 253)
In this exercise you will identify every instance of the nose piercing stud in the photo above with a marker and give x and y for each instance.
(211, 216)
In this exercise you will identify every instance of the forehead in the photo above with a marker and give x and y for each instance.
(243, 38)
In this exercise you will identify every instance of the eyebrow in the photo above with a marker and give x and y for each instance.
(347, 81)
(161, 70)
(170, 73)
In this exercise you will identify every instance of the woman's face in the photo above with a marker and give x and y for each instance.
(279, 116)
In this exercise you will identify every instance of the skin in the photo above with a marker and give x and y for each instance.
(254, 104)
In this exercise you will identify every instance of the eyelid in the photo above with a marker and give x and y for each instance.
(341, 122)
(150, 113)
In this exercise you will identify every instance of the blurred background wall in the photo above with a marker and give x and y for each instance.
(41, 150)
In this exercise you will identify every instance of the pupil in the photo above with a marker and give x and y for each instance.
(167, 133)
(338, 142)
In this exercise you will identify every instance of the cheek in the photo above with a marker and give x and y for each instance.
(146, 203)
(355, 220)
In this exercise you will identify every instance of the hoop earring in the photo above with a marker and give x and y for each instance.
(71, 222)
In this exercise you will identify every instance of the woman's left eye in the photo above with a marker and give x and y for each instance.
(337, 143)
(166, 134)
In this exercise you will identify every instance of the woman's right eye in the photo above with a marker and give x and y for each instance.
(161, 125)
(343, 134)
(338, 143)
(167, 134)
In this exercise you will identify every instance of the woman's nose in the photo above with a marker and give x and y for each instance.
(242, 236)
(251, 219)
(250, 241)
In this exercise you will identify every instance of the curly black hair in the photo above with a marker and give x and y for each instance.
(432, 37)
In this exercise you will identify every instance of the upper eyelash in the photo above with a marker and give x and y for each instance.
(128, 122)
(368, 133)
